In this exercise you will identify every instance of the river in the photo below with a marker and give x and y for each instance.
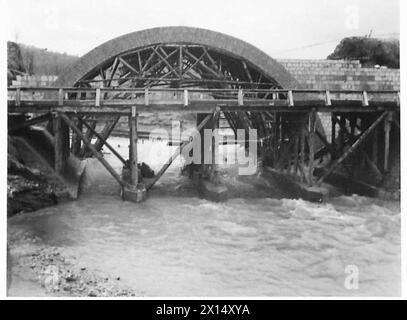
(257, 243)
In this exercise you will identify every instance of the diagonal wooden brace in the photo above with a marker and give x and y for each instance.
(102, 139)
(176, 154)
(354, 146)
(98, 156)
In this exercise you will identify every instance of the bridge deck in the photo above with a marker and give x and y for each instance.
(113, 101)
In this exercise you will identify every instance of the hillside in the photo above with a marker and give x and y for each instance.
(41, 61)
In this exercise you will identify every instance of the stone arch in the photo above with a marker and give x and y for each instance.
(87, 65)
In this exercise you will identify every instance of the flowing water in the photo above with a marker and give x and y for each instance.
(176, 244)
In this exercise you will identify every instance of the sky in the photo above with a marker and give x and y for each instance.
(284, 29)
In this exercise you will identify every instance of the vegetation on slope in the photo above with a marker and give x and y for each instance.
(370, 51)
(38, 61)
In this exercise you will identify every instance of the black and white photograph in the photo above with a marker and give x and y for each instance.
(214, 149)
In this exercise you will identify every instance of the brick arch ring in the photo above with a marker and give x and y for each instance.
(89, 65)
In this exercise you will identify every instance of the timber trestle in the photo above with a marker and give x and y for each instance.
(304, 134)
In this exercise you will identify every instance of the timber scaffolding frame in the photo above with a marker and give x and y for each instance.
(291, 137)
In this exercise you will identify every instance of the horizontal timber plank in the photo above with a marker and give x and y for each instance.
(198, 106)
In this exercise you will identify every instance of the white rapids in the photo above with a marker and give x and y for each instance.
(176, 244)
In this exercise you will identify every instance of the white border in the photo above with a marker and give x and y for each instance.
(3, 174)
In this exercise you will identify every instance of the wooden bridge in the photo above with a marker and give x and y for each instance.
(306, 136)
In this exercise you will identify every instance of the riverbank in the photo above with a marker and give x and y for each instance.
(29, 187)
(257, 243)
(41, 270)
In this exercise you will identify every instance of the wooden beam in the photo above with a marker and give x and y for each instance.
(188, 69)
(128, 65)
(150, 57)
(176, 154)
(311, 144)
(246, 69)
(375, 146)
(355, 145)
(165, 60)
(329, 147)
(333, 131)
(133, 146)
(59, 163)
(140, 67)
(372, 165)
(113, 71)
(180, 62)
(101, 138)
(231, 122)
(387, 128)
(290, 99)
(98, 156)
(76, 140)
(214, 147)
(107, 130)
(89, 136)
(216, 74)
(302, 152)
(296, 160)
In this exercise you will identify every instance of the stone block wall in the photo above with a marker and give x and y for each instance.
(312, 74)
(341, 75)
(34, 81)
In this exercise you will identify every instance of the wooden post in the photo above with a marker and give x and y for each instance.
(387, 128)
(92, 149)
(133, 146)
(328, 101)
(240, 97)
(146, 97)
(276, 137)
(215, 125)
(302, 151)
(342, 128)
(296, 148)
(311, 143)
(177, 152)
(18, 97)
(365, 99)
(290, 99)
(375, 145)
(333, 130)
(58, 145)
(200, 117)
(364, 124)
(354, 146)
(186, 98)
(76, 140)
(97, 99)
(181, 64)
(107, 130)
(89, 136)
(81, 121)
(60, 97)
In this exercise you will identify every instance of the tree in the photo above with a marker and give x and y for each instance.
(15, 64)
(370, 51)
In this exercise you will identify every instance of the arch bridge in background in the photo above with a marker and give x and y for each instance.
(217, 77)
(177, 57)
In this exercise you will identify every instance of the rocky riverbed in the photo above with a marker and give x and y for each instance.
(50, 272)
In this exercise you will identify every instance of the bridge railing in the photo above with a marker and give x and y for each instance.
(124, 96)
